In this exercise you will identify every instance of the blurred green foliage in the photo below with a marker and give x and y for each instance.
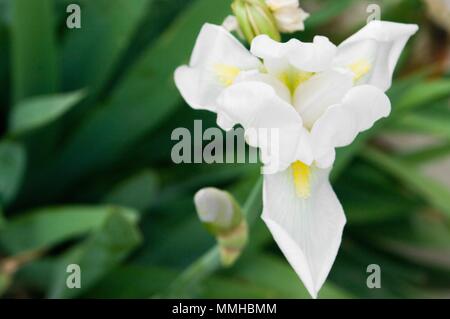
(86, 175)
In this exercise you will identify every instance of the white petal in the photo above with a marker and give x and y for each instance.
(199, 83)
(216, 45)
(198, 87)
(230, 23)
(262, 113)
(224, 122)
(308, 231)
(290, 19)
(379, 43)
(313, 97)
(310, 57)
(340, 124)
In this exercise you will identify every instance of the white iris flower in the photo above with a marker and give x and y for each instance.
(319, 96)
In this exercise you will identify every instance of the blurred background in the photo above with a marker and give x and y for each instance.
(86, 176)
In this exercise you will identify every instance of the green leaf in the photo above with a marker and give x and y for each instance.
(2, 219)
(428, 154)
(34, 56)
(327, 12)
(97, 255)
(5, 8)
(424, 239)
(143, 99)
(436, 125)
(253, 270)
(39, 111)
(85, 62)
(369, 196)
(349, 270)
(137, 192)
(147, 281)
(430, 190)
(12, 169)
(44, 228)
(422, 94)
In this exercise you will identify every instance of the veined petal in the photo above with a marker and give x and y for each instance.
(340, 124)
(313, 97)
(217, 60)
(309, 57)
(372, 52)
(307, 230)
(270, 123)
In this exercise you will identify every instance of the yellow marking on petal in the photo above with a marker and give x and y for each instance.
(360, 68)
(293, 78)
(226, 73)
(302, 176)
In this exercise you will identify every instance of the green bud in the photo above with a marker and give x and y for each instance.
(223, 217)
(255, 18)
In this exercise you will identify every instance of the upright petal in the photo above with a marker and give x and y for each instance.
(313, 97)
(340, 124)
(216, 45)
(279, 87)
(217, 60)
(309, 57)
(372, 52)
(270, 123)
(307, 230)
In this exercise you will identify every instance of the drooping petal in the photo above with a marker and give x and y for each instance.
(309, 57)
(313, 97)
(216, 61)
(372, 52)
(307, 230)
(270, 123)
(340, 124)
(198, 87)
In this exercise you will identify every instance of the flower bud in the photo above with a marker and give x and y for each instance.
(223, 218)
(255, 18)
(288, 15)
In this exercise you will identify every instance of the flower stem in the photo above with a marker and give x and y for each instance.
(209, 262)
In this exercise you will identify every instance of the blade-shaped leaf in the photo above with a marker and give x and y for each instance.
(436, 125)
(36, 112)
(33, 48)
(427, 154)
(145, 96)
(12, 167)
(97, 255)
(137, 192)
(422, 94)
(45, 228)
(430, 190)
(253, 270)
(86, 62)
